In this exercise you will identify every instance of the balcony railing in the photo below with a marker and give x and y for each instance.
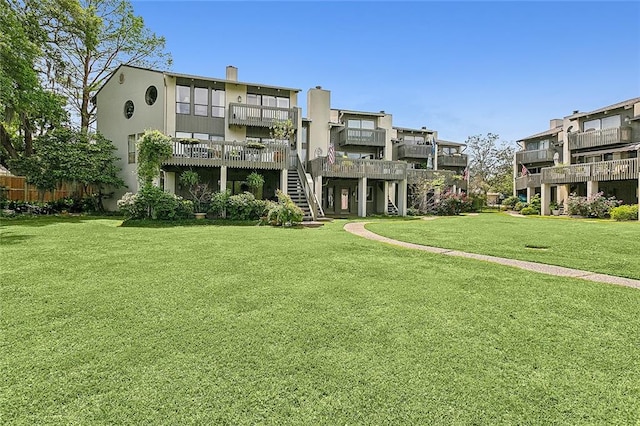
(408, 150)
(348, 168)
(259, 115)
(361, 137)
(536, 156)
(597, 138)
(230, 154)
(528, 181)
(599, 171)
(414, 176)
(453, 160)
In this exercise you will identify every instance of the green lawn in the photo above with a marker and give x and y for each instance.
(242, 325)
(594, 245)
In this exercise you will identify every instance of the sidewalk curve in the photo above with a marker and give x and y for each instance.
(357, 228)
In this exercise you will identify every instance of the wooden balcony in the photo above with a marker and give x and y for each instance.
(230, 154)
(348, 168)
(599, 171)
(260, 116)
(528, 181)
(350, 136)
(414, 176)
(596, 138)
(536, 156)
(453, 160)
(409, 150)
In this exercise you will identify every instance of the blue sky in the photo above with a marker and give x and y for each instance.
(462, 68)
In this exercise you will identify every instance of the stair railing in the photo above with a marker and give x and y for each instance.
(316, 209)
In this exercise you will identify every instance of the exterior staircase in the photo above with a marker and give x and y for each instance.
(296, 192)
(392, 210)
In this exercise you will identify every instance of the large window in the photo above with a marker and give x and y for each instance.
(416, 140)
(217, 103)
(602, 123)
(132, 148)
(183, 99)
(201, 101)
(534, 146)
(361, 124)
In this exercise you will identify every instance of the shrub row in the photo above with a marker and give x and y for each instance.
(593, 206)
(626, 212)
(152, 202)
(70, 205)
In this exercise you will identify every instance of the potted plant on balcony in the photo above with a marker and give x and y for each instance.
(199, 192)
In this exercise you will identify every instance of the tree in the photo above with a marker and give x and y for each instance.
(490, 164)
(64, 155)
(153, 149)
(90, 39)
(26, 107)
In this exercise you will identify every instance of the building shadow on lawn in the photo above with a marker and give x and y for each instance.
(38, 221)
(8, 238)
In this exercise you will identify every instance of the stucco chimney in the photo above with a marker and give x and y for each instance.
(232, 73)
(555, 122)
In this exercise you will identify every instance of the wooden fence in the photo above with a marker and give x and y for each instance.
(16, 188)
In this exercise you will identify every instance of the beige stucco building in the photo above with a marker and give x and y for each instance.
(221, 128)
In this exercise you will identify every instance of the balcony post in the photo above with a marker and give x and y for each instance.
(362, 197)
(317, 183)
(385, 190)
(402, 197)
(283, 180)
(545, 199)
(223, 178)
(563, 195)
(529, 193)
(170, 182)
(592, 187)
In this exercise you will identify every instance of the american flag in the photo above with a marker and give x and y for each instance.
(331, 155)
(524, 171)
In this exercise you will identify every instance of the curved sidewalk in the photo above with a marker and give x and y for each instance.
(357, 228)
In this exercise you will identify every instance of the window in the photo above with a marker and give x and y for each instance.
(128, 109)
(151, 95)
(131, 148)
(217, 103)
(416, 140)
(201, 136)
(183, 100)
(602, 123)
(201, 101)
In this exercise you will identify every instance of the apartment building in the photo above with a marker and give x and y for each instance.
(338, 161)
(583, 153)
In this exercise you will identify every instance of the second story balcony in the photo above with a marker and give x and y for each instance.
(537, 156)
(626, 169)
(259, 115)
(244, 155)
(351, 168)
(410, 150)
(452, 160)
(529, 181)
(350, 136)
(602, 137)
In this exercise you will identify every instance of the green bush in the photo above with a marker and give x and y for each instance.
(219, 201)
(596, 205)
(285, 213)
(245, 207)
(413, 212)
(535, 203)
(510, 202)
(152, 202)
(529, 210)
(519, 206)
(625, 212)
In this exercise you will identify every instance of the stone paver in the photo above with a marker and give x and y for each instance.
(357, 228)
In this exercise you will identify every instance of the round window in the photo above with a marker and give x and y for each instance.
(128, 109)
(151, 95)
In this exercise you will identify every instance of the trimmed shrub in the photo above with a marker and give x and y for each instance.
(529, 210)
(519, 206)
(153, 203)
(245, 207)
(453, 204)
(593, 206)
(510, 202)
(625, 212)
(285, 213)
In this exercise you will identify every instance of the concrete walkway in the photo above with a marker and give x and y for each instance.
(357, 228)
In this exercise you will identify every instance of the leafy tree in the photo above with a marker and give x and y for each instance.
(490, 164)
(64, 155)
(153, 149)
(91, 38)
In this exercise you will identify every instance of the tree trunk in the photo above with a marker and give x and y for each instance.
(6, 143)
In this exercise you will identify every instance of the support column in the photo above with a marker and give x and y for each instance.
(223, 178)
(362, 197)
(454, 188)
(385, 190)
(592, 187)
(402, 198)
(545, 199)
(529, 193)
(563, 195)
(170, 182)
(284, 173)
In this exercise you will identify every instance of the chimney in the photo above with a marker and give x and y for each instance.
(232, 73)
(575, 111)
(555, 122)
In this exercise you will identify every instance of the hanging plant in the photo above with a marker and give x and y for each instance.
(255, 181)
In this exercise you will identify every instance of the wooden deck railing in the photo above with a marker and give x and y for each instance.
(259, 115)
(600, 171)
(528, 181)
(536, 156)
(230, 154)
(361, 137)
(452, 160)
(348, 168)
(601, 137)
(407, 150)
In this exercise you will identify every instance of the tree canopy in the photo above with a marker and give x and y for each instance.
(490, 164)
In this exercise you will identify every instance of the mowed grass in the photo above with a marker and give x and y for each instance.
(243, 325)
(594, 245)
